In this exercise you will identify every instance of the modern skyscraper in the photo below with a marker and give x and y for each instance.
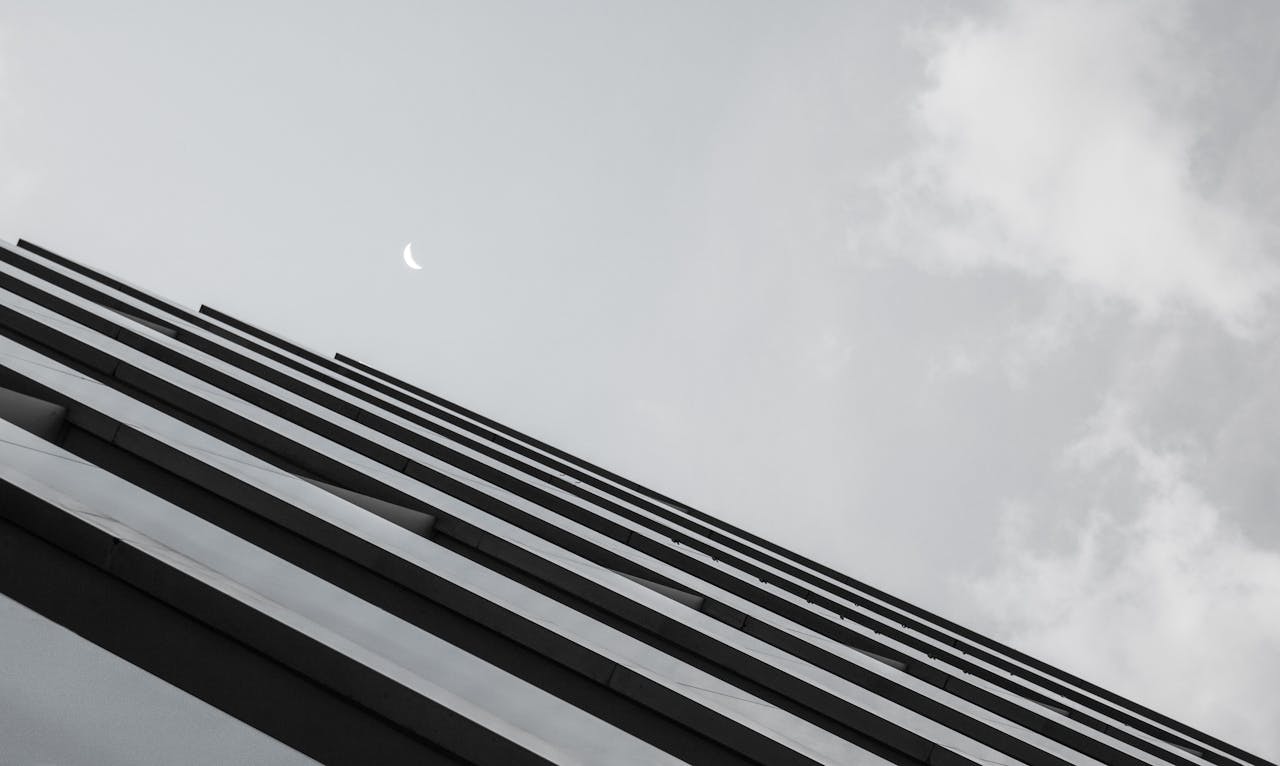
(370, 574)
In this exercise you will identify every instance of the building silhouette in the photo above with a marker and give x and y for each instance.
(370, 574)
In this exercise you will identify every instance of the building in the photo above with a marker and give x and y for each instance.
(370, 574)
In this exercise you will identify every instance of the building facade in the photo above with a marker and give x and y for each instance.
(365, 573)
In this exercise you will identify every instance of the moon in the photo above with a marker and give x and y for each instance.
(408, 257)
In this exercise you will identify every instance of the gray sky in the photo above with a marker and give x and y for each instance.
(975, 302)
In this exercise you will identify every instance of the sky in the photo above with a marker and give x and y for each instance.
(974, 301)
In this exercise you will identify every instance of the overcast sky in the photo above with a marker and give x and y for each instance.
(974, 301)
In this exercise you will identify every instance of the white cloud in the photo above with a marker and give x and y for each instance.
(1019, 347)
(1060, 140)
(1156, 594)
(1091, 148)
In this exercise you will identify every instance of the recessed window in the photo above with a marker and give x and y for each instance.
(37, 416)
(162, 329)
(691, 600)
(412, 520)
(899, 664)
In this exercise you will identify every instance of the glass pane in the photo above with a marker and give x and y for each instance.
(381, 642)
(65, 700)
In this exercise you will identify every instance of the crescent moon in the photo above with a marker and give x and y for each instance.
(408, 257)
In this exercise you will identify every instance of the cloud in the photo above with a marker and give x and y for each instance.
(1113, 158)
(1021, 345)
(1155, 590)
(1065, 141)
